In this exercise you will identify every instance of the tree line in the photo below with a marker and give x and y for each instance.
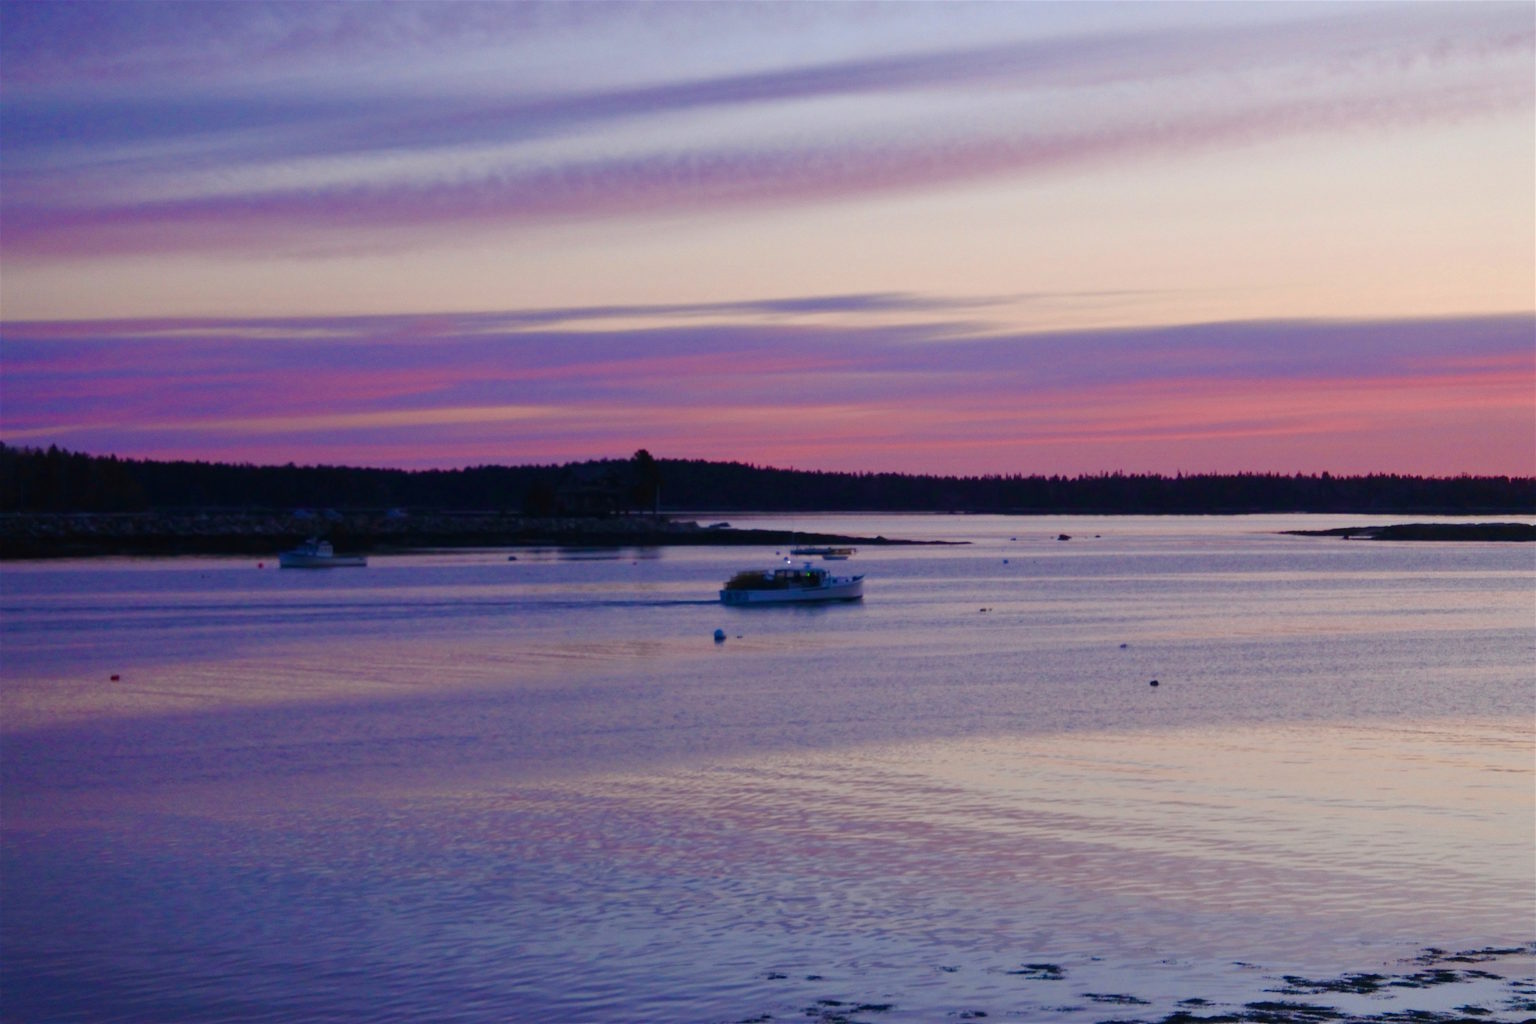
(55, 480)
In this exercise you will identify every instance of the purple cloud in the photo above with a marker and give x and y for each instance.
(46, 43)
(451, 389)
(92, 170)
(617, 186)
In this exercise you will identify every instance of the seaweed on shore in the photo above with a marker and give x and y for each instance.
(1289, 1013)
(1308, 1013)
(1426, 970)
(1438, 976)
(1433, 955)
(1257, 1013)
(1039, 972)
(1360, 984)
(1117, 998)
(836, 1011)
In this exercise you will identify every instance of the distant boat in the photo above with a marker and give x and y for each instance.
(317, 554)
(829, 554)
(781, 586)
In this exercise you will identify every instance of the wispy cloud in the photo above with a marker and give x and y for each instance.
(249, 165)
(491, 385)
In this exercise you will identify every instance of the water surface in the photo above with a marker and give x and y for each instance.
(457, 787)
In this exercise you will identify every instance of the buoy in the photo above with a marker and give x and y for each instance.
(719, 636)
(1153, 683)
(1124, 646)
(115, 678)
(261, 565)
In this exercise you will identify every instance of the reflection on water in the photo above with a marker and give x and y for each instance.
(920, 875)
(458, 788)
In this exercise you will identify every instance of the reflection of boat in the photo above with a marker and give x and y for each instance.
(317, 554)
(778, 586)
(829, 554)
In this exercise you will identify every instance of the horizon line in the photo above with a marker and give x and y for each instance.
(468, 467)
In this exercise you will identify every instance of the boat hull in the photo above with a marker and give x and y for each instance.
(293, 560)
(318, 554)
(318, 562)
(838, 590)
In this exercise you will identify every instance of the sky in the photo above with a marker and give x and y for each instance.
(960, 238)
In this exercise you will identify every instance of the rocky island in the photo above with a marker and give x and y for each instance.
(75, 535)
(1430, 531)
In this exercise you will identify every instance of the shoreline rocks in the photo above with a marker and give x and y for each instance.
(1430, 532)
(75, 535)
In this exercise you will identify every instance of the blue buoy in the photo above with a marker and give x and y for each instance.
(719, 636)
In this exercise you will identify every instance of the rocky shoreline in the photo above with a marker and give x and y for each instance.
(1430, 531)
(39, 535)
(70, 535)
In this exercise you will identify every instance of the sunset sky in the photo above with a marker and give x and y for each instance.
(956, 238)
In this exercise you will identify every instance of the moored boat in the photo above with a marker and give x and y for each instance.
(827, 553)
(781, 586)
(317, 554)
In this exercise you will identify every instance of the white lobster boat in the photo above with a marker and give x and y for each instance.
(782, 586)
(317, 554)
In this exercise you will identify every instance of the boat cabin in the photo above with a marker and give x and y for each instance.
(777, 579)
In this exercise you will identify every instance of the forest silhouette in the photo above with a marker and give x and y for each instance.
(56, 480)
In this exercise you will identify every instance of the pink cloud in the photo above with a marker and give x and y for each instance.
(362, 215)
(448, 390)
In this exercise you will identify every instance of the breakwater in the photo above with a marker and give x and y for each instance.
(73, 535)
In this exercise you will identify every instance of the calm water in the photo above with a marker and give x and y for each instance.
(461, 788)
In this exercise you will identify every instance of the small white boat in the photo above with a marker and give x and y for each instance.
(826, 553)
(781, 586)
(317, 554)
